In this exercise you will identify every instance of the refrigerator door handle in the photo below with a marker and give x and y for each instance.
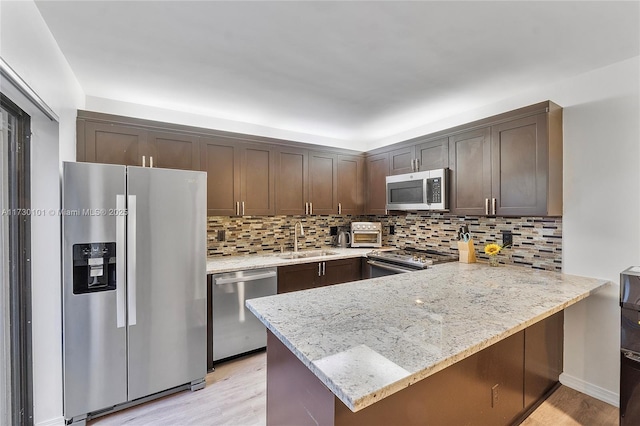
(121, 316)
(131, 260)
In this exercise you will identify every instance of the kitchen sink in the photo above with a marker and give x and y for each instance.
(305, 254)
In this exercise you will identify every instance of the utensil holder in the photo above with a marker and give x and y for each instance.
(466, 251)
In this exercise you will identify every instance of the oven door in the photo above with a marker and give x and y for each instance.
(382, 269)
(366, 239)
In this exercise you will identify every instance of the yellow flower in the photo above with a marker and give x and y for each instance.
(492, 249)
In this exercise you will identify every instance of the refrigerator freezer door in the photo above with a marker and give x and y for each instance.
(94, 347)
(167, 342)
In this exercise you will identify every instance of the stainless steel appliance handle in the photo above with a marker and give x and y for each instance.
(131, 260)
(121, 310)
(486, 206)
(388, 267)
(243, 208)
(319, 268)
(493, 204)
(633, 357)
(324, 268)
(144, 161)
(230, 280)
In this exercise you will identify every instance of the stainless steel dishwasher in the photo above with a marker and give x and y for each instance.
(235, 329)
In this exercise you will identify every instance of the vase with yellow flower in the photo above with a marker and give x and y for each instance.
(492, 251)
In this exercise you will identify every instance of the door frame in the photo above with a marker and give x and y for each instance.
(19, 258)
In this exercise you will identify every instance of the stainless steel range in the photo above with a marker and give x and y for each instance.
(382, 263)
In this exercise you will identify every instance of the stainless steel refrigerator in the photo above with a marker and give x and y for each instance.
(134, 285)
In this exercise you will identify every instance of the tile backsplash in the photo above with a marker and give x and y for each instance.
(537, 241)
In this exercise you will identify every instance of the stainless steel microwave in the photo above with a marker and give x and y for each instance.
(426, 190)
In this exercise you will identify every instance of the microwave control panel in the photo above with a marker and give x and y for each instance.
(434, 190)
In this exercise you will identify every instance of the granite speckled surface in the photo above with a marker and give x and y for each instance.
(368, 339)
(218, 264)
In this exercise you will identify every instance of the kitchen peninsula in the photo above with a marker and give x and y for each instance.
(450, 344)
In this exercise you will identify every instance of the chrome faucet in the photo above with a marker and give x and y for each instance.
(295, 235)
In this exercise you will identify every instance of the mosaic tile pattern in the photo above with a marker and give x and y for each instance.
(537, 241)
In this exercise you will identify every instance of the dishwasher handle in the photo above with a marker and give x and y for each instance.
(231, 280)
(387, 267)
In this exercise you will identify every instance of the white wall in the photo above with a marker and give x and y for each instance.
(29, 48)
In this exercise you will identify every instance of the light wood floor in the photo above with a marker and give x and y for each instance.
(235, 395)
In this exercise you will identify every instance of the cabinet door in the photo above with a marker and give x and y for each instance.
(519, 153)
(350, 184)
(291, 181)
(220, 159)
(174, 151)
(258, 180)
(470, 163)
(114, 144)
(298, 277)
(342, 271)
(377, 167)
(323, 186)
(401, 160)
(433, 154)
(543, 348)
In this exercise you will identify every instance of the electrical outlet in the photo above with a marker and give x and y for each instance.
(507, 238)
(221, 235)
(392, 230)
(333, 230)
(494, 395)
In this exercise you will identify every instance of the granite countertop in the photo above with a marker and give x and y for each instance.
(219, 264)
(368, 339)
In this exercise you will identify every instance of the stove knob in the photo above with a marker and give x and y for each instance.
(415, 257)
(423, 259)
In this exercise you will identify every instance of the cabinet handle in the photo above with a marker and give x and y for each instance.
(324, 264)
(237, 208)
(306, 208)
(310, 208)
(417, 164)
(486, 206)
(413, 164)
(144, 161)
(319, 266)
(339, 208)
(243, 208)
(493, 204)
(151, 162)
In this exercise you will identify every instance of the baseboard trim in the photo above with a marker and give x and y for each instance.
(58, 421)
(590, 389)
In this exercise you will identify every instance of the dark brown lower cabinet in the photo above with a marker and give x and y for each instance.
(487, 388)
(317, 274)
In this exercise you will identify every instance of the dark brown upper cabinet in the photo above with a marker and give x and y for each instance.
(112, 144)
(422, 156)
(512, 168)
(323, 183)
(240, 177)
(174, 151)
(377, 168)
(350, 184)
(402, 160)
(292, 181)
(432, 155)
(307, 182)
(470, 174)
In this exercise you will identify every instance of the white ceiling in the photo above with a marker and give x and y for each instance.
(355, 71)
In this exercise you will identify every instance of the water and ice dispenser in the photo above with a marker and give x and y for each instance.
(94, 267)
